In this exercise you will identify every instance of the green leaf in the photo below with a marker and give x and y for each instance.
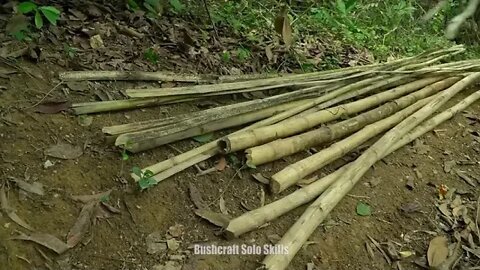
(137, 171)
(125, 156)
(232, 158)
(38, 20)
(203, 138)
(177, 5)
(145, 183)
(148, 174)
(363, 209)
(132, 4)
(341, 7)
(26, 7)
(149, 7)
(104, 198)
(151, 56)
(52, 14)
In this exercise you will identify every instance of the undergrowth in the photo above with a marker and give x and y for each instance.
(385, 28)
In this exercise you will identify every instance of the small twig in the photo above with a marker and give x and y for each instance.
(477, 217)
(46, 95)
(211, 20)
(227, 185)
(358, 196)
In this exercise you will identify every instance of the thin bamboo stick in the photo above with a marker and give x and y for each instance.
(256, 218)
(317, 212)
(283, 147)
(98, 75)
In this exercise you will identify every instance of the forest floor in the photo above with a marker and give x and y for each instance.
(402, 189)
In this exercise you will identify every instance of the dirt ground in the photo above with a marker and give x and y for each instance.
(119, 242)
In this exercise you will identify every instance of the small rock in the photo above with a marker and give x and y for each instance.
(410, 184)
(47, 164)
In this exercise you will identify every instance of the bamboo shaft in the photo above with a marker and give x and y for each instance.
(296, 171)
(283, 147)
(256, 218)
(317, 212)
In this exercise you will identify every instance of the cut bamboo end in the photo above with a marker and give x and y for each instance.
(224, 145)
(281, 181)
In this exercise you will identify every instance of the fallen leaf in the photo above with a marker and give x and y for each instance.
(35, 188)
(269, 53)
(203, 138)
(221, 164)
(260, 178)
(96, 42)
(466, 178)
(369, 249)
(110, 208)
(283, 27)
(274, 238)
(406, 253)
(196, 197)
(82, 225)
(262, 197)
(444, 209)
(78, 86)
(310, 266)
(437, 251)
(176, 230)
(223, 208)
(47, 240)
(85, 120)
(94, 197)
(392, 251)
(448, 165)
(411, 207)
(10, 212)
(218, 219)
(155, 243)
(363, 209)
(456, 202)
(173, 244)
(64, 151)
(52, 107)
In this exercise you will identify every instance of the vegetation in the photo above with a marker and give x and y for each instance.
(20, 28)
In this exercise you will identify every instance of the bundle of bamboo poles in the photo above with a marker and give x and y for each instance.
(339, 109)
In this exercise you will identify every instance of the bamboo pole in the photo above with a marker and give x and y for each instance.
(187, 159)
(283, 147)
(256, 218)
(98, 75)
(298, 124)
(317, 212)
(141, 145)
(296, 171)
(116, 105)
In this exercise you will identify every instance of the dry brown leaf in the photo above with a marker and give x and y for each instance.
(221, 164)
(64, 151)
(260, 178)
(46, 240)
(88, 198)
(218, 219)
(10, 212)
(269, 53)
(283, 27)
(82, 225)
(223, 207)
(51, 107)
(35, 188)
(196, 197)
(437, 251)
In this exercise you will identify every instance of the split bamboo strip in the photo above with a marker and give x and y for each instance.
(256, 218)
(317, 212)
(98, 75)
(295, 125)
(283, 147)
(290, 174)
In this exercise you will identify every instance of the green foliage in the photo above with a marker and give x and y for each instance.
(50, 13)
(146, 178)
(226, 57)
(151, 55)
(363, 209)
(154, 8)
(177, 6)
(243, 54)
(71, 52)
(203, 138)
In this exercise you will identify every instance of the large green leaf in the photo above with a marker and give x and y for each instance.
(26, 7)
(363, 209)
(203, 138)
(177, 5)
(38, 20)
(52, 14)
